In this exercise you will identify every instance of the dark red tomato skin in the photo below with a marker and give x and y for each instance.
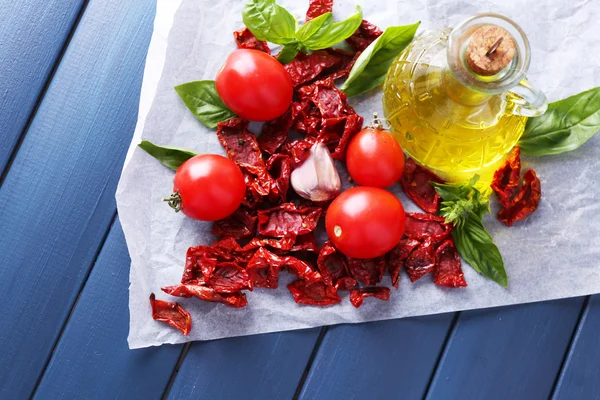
(375, 158)
(211, 187)
(254, 85)
(365, 222)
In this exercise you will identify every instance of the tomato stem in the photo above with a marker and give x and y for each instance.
(379, 123)
(174, 201)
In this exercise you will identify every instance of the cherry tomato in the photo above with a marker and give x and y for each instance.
(365, 222)
(374, 158)
(208, 187)
(254, 85)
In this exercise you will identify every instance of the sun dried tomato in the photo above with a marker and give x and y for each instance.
(284, 243)
(364, 36)
(305, 243)
(246, 40)
(525, 202)
(415, 182)
(200, 261)
(172, 314)
(348, 60)
(506, 178)
(331, 102)
(280, 168)
(316, 294)
(447, 266)
(229, 277)
(286, 220)
(274, 133)
(263, 269)
(298, 150)
(357, 296)
(350, 126)
(421, 260)
(367, 271)
(318, 7)
(421, 226)
(334, 268)
(397, 256)
(230, 249)
(235, 300)
(240, 224)
(317, 65)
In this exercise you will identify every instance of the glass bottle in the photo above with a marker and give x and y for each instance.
(457, 99)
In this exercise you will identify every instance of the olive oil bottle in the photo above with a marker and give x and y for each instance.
(457, 99)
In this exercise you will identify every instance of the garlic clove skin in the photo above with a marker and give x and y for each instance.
(317, 178)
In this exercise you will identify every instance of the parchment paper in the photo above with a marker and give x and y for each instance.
(553, 254)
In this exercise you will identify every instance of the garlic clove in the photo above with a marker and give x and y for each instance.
(317, 178)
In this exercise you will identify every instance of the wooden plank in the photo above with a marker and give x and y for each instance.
(580, 377)
(379, 360)
(506, 353)
(33, 34)
(267, 366)
(92, 356)
(57, 201)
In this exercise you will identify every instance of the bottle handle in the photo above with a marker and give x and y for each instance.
(529, 101)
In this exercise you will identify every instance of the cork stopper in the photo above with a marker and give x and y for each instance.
(491, 48)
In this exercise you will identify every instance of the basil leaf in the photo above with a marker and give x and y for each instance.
(477, 248)
(371, 66)
(268, 21)
(328, 33)
(288, 53)
(566, 125)
(203, 101)
(171, 157)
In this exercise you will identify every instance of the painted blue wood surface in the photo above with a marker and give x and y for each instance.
(580, 377)
(386, 359)
(32, 36)
(92, 359)
(506, 353)
(57, 201)
(258, 367)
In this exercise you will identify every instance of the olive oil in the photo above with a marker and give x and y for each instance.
(454, 129)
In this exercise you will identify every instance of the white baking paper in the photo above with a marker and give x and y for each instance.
(554, 254)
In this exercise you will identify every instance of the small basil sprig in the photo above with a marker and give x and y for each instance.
(269, 21)
(372, 65)
(171, 157)
(566, 125)
(203, 101)
(464, 206)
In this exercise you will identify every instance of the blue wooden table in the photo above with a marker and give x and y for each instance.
(70, 77)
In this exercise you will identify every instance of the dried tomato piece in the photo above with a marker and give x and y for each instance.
(246, 40)
(230, 249)
(421, 260)
(421, 226)
(200, 261)
(307, 67)
(234, 300)
(367, 271)
(274, 133)
(308, 120)
(172, 314)
(350, 126)
(506, 178)
(415, 183)
(318, 7)
(285, 243)
(240, 224)
(229, 277)
(263, 268)
(286, 220)
(357, 296)
(525, 202)
(331, 102)
(348, 60)
(448, 271)
(364, 36)
(316, 293)
(280, 168)
(397, 256)
(334, 268)
(298, 150)
(306, 243)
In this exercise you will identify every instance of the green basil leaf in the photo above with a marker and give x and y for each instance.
(268, 21)
(566, 125)
(288, 53)
(171, 157)
(477, 248)
(372, 65)
(203, 101)
(328, 33)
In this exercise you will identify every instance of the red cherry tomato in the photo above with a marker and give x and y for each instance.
(209, 187)
(374, 158)
(254, 85)
(365, 222)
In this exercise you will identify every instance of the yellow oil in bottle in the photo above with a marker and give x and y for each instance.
(451, 129)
